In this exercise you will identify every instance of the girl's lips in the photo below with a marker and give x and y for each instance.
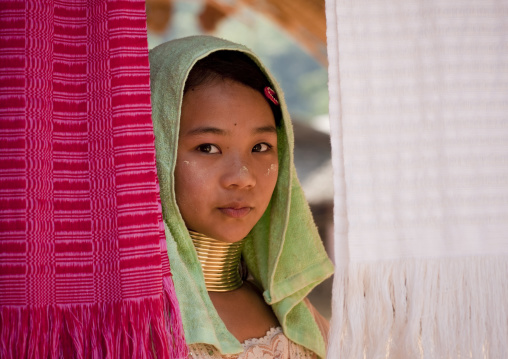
(236, 212)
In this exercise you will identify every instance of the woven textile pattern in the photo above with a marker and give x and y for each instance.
(80, 219)
(419, 104)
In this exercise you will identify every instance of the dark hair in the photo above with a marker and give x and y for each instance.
(231, 65)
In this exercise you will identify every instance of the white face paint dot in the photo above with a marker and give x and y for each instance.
(186, 163)
(244, 169)
(272, 168)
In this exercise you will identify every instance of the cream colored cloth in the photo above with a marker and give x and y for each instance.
(419, 117)
(274, 345)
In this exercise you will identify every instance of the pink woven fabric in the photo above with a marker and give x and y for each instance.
(83, 265)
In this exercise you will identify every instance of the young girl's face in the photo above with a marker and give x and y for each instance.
(227, 161)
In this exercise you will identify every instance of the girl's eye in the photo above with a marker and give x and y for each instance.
(261, 147)
(208, 148)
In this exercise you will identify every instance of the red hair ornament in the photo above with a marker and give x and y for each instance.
(271, 95)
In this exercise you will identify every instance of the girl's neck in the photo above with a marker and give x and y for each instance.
(220, 262)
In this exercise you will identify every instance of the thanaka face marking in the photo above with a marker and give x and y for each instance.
(273, 167)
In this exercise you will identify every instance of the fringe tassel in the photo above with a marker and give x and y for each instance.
(421, 308)
(147, 328)
(174, 325)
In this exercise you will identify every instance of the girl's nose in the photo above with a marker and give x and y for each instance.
(236, 174)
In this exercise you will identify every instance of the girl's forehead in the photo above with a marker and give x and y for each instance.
(224, 103)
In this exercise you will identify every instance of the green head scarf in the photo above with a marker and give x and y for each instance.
(283, 251)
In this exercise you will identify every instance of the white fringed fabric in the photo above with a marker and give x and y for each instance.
(419, 118)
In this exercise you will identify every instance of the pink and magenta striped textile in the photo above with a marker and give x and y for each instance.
(83, 265)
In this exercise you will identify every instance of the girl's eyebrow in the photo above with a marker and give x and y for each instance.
(205, 130)
(265, 129)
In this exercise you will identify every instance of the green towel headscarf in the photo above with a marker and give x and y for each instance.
(283, 251)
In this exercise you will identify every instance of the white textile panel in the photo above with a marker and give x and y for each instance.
(419, 118)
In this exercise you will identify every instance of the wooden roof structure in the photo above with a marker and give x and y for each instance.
(304, 20)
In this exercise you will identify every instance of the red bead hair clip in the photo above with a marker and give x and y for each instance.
(271, 95)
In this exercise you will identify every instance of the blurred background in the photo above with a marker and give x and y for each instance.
(290, 38)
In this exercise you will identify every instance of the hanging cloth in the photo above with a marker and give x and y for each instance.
(83, 265)
(419, 104)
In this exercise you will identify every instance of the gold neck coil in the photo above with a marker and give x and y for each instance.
(220, 262)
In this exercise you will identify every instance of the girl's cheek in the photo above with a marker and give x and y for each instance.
(195, 176)
(272, 170)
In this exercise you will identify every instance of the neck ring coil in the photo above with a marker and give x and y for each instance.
(220, 262)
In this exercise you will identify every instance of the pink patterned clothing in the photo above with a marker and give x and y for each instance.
(84, 270)
(273, 345)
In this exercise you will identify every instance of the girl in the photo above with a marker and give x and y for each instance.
(228, 186)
